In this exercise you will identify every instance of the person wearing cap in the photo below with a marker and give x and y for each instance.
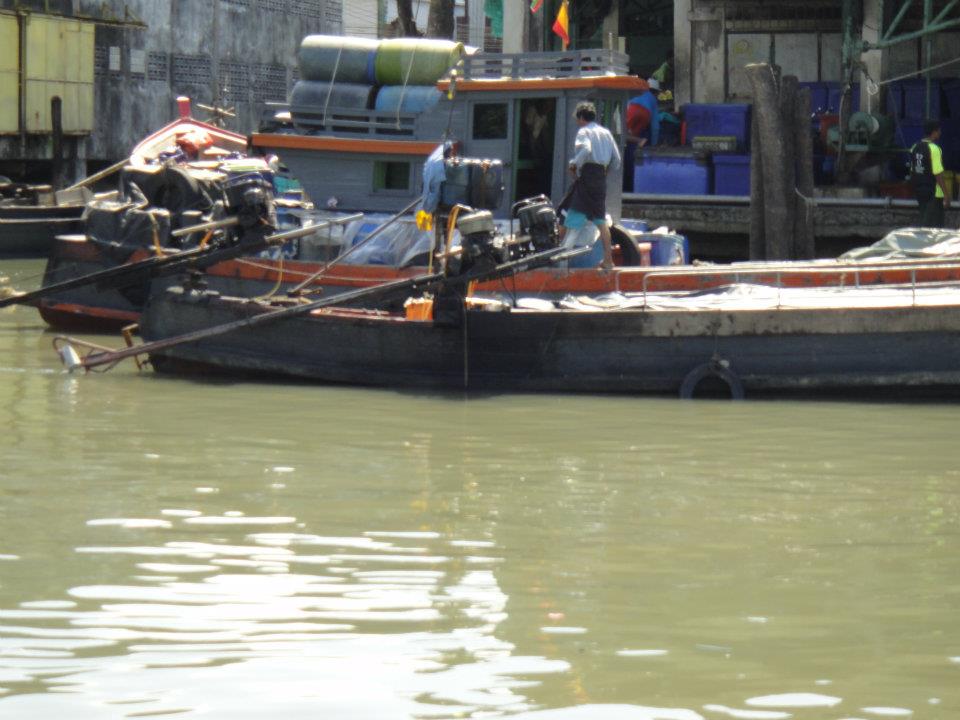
(927, 178)
(595, 152)
(643, 127)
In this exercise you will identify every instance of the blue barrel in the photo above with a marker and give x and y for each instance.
(316, 96)
(410, 99)
(334, 57)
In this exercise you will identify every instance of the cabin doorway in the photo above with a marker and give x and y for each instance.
(534, 147)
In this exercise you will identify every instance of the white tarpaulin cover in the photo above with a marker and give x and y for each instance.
(910, 243)
(744, 296)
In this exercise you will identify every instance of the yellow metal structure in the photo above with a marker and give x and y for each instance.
(59, 63)
(9, 74)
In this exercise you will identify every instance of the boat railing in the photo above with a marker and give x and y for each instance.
(353, 122)
(856, 273)
(519, 66)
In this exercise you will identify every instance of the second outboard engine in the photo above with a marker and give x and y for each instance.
(479, 241)
(538, 222)
(251, 198)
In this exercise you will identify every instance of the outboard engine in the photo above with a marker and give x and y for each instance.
(480, 245)
(251, 198)
(538, 222)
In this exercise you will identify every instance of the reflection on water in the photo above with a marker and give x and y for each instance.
(173, 548)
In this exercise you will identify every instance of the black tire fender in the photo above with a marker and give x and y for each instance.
(717, 368)
(629, 250)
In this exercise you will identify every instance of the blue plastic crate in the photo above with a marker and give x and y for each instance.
(951, 93)
(718, 120)
(950, 143)
(835, 95)
(819, 97)
(671, 174)
(908, 99)
(908, 132)
(731, 174)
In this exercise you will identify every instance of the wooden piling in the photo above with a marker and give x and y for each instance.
(56, 119)
(766, 105)
(789, 85)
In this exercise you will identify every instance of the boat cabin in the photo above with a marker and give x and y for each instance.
(514, 108)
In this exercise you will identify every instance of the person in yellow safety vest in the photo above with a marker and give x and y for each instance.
(927, 178)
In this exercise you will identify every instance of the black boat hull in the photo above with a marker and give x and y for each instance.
(604, 351)
(30, 230)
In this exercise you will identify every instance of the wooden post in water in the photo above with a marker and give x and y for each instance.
(56, 118)
(766, 105)
(804, 238)
(788, 99)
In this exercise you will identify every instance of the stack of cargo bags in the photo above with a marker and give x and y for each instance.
(397, 75)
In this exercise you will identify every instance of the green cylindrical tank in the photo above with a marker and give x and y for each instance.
(333, 57)
(414, 61)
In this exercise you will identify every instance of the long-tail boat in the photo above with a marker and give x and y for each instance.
(513, 108)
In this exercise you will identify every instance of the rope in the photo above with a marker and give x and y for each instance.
(333, 78)
(403, 88)
(451, 92)
(273, 290)
(873, 86)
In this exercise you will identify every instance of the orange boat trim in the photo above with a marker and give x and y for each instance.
(602, 82)
(339, 144)
(89, 310)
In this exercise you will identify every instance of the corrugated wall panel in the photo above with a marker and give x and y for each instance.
(743, 49)
(59, 62)
(9, 74)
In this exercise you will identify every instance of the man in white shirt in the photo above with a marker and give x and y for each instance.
(595, 152)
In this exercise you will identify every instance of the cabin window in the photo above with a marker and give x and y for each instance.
(391, 175)
(490, 121)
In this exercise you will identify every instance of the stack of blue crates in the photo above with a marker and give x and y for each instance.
(731, 171)
(825, 96)
(671, 171)
(731, 174)
(907, 102)
(681, 171)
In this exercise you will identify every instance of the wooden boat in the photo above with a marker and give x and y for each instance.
(31, 217)
(105, 309)
(76, 254)
(905, 339)
(341, 162)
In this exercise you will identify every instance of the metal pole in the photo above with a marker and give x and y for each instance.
(924, 32)
(896, 20)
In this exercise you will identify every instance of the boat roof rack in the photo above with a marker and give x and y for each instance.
(520, 66)
(350, 121)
